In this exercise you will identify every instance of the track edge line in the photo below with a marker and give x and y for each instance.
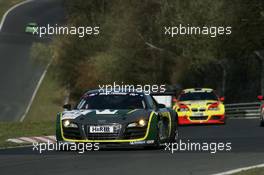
(10, 9)
(240, 169)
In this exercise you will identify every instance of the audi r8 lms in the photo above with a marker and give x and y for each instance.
(31, 27)
(115, 119)
(200, 106)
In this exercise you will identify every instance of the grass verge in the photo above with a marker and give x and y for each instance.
(21, 129)
(40, 120)
(47, 102)
(256, 171)
(6, 4)
(41, 117)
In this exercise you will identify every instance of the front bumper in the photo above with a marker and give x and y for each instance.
(143, 143)
(103, 145)
(146, 137)
(213, 119)
(126, 136)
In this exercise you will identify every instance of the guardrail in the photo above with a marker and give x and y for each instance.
(243, 110)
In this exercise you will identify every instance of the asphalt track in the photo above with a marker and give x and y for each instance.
(18, 74)
(246, 136)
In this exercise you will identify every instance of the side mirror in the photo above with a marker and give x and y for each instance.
(174, 100)
(161, 105)
(260, 97)
(67, 107)
(222, 99)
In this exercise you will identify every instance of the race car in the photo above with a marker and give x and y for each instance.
(117, 119)
(31, 27)
(261, 99)
(200, 106)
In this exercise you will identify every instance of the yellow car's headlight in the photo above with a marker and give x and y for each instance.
(214, 107)
(183, 108)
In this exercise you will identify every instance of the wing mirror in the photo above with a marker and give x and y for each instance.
(222, 99)
(260, 97)
(67, 107)
(174, 99)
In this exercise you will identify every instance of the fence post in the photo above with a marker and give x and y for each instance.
(223, 64)
(261, 58)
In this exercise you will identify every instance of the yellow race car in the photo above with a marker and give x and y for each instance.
(200, 106)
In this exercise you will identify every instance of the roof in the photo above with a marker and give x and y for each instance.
(109, 90)
(32, 23)
(191, 90)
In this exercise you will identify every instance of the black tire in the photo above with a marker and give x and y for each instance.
(225, 121)
(262, 123)
(174, 137)
(158, 139)
(157, 143)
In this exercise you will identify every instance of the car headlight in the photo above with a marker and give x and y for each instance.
(69, 124)
(183, 108)
(214, 109)
(140, 123)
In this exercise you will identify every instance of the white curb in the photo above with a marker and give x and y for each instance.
(42, 139)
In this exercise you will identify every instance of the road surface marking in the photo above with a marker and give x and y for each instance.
(35, 91)
(240, 169)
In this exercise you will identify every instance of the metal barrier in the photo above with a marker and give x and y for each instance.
(243, 110)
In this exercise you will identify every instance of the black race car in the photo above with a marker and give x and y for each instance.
(117, 118)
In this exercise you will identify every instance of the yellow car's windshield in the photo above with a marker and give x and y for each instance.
(198, 96)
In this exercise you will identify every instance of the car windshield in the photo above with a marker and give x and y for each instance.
(198, 96)
(112, 102)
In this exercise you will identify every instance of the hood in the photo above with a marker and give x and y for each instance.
(106, 116)
(197, 103)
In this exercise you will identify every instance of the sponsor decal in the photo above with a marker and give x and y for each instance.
(74, 114)
(107, 111)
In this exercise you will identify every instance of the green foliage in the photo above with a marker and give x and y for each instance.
(132, 47)
(6, 4)
(41, 53)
